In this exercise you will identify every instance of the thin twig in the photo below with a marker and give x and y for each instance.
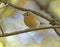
(28, 30)
(2, 30)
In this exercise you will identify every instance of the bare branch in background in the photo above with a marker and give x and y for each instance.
(2, 31)
(28, 30)
(24, 9)
(55, 21)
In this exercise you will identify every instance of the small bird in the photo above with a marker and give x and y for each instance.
(30, 19)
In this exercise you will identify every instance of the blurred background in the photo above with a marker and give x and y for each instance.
(14, 21)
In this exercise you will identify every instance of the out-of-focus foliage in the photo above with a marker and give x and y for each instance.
(1, 44)
(42, 2)
(7, 12)
(54, 7)
(34, 45)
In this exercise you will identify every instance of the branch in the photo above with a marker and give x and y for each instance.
(55, 21)
(2, 30)
(28, 30)
(46, 9)
(24, 9)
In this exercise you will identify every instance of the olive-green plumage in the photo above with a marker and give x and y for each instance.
(31, 20)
